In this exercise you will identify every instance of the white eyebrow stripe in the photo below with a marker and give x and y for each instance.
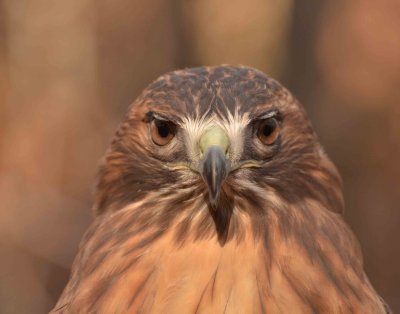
(158, 117)
(269, 114)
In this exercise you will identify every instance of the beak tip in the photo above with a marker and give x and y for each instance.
(214, 201)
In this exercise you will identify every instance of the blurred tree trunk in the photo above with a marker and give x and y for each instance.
(137, 42)
(50, 143)
(3, 73)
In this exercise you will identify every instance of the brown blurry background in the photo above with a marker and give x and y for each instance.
(69, 69)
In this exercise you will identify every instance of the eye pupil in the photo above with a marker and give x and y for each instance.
(163, 129)
(268, 129)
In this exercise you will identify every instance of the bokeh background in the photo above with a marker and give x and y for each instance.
(69, 69)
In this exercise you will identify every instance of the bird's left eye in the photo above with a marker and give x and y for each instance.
(162, 132)
(268, 131)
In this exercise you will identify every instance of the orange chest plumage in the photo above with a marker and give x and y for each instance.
(205, 276)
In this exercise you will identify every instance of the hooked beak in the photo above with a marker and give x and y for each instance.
(214, 167)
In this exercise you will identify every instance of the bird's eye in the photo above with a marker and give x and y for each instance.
(162, 131)
(268, 131)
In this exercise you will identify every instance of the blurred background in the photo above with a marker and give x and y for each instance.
(69, 69)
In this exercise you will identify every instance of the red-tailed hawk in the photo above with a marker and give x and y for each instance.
(216, 197)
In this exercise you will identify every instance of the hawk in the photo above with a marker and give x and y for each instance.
(216, 197)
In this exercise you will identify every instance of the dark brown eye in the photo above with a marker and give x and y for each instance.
(162, 132)
(268, 131)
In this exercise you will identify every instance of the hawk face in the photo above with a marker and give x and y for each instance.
(226, 138)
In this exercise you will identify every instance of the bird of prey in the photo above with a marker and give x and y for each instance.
(215, 196)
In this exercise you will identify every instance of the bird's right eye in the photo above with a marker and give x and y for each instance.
(162, 132)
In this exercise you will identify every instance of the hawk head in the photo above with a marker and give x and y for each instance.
(228, 138)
